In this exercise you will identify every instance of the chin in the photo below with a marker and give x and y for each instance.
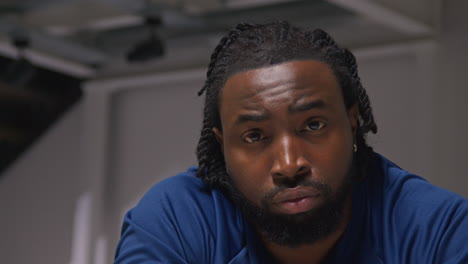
(294, 230)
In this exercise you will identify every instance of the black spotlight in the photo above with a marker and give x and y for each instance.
(151, 48)
(19, 71)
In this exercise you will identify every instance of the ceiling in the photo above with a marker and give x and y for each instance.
(90, 38)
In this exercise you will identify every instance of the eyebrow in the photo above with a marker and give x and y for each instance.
(306, 106)
(292, 109)
(252, 118)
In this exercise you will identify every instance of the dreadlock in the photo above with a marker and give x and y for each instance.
(250, 46)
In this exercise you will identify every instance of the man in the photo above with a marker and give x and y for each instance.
(285, 174)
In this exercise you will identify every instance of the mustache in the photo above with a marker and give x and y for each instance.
(325, 189)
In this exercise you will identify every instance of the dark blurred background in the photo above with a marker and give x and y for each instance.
(98, 102)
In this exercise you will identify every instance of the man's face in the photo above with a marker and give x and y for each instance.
(287, 136)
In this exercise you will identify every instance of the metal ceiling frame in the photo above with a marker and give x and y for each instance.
(49, 61)
(366, 8)
(384, 15)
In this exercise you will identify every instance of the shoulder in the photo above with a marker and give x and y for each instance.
(420, 219)
(179, 220)
(186, 200)
(409, 191)
(184, 189)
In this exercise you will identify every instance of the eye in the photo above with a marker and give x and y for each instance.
(314, 126)
(252, 137)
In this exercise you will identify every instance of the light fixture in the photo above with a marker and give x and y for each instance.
(150, 48)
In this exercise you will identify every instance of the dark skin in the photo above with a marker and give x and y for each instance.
(284, 121)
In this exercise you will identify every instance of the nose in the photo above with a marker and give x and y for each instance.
(289, 160)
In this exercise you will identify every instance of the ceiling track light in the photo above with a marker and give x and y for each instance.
(150, 48)
(20, 71)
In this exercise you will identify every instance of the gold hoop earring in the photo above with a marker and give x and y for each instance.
(355, 147)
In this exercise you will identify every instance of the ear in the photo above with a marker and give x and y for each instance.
(353, 116)
(219, 137)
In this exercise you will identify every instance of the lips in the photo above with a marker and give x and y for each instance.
(295, 193)
(296, 200)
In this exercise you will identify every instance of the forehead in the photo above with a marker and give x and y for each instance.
(290, 80)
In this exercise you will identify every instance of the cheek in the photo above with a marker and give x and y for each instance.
(336, 159)
(249, 174)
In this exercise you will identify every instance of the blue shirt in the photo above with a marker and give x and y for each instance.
(397, 217)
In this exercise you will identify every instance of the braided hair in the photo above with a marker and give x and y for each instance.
(251, 46)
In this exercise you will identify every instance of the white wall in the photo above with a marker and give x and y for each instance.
(38, 196)
(155, 134)
(402, 89)
(451, 118)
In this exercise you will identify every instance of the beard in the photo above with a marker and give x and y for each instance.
(294, 230)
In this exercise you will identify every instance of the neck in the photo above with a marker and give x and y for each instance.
(310, 253)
